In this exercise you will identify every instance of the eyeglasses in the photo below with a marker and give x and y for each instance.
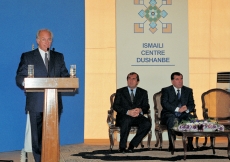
(44, 40)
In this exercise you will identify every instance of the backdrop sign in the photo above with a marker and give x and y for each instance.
(152, 40)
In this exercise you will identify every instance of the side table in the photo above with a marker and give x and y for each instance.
(212, 134)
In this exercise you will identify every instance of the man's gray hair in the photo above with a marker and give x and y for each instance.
(37, 36)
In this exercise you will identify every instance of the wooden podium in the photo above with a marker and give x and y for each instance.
(50, 134)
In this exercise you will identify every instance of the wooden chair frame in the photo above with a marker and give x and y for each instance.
(159, 128)
(224, 107)
(111, 119)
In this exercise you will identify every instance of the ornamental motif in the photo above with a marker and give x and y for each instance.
(153, 14)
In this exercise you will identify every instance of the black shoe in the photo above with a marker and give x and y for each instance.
(122, 150)
(189, 144)
(170, 148)
(130, 148)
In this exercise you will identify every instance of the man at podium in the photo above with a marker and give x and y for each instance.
(47, 63)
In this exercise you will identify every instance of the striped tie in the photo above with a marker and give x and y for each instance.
(179, 103)
(178, 97)
(132, 95)
(46, 62)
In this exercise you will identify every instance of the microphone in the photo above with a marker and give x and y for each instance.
(48, 56)
(48, 49)
(54, 60)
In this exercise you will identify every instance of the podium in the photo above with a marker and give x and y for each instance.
(50, 132)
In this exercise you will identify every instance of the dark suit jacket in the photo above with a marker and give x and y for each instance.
(57, 68)
(169, 99)
(122, 102)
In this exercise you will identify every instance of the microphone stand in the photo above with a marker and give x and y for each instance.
(48, 50)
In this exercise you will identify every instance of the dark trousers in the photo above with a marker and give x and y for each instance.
(125, 123)
(36, 134)
(36, 119)
(168, 119)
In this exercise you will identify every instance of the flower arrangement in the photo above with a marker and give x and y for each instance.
(199, 125)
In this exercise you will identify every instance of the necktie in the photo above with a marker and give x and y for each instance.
(132, 95)
(46, 61)
(178, 94)
(179, 102)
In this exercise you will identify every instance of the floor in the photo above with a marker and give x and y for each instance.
(98, 150)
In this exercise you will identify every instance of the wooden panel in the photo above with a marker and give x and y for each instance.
(50, 132)
(62, 84)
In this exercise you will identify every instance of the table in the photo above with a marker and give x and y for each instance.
(211, 134)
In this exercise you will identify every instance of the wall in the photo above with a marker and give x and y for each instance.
(100, 68)
(209, 49)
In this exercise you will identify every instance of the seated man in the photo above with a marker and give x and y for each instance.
(130, 103)
(177, 102)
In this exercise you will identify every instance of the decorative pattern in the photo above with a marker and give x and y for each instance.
(153, 14)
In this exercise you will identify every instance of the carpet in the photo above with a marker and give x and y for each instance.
(204, 153)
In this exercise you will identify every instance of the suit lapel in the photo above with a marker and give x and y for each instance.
(183, 92)
(51, 64)
(37, 57)
(137, 95)
(173, 93)
(39, 61)
(126, 94)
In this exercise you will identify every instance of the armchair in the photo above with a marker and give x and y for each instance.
(159, 128)
(111, 119)
(216, 106)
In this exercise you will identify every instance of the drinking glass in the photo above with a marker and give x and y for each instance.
(30, 71)
(73, 71)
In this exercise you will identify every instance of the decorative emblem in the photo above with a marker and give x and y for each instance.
(153, 14)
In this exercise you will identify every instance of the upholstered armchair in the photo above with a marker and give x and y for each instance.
(111, 119)
(216, 106)
(159, 128)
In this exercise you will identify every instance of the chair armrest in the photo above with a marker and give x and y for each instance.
(193, 112)
(205, 113)
(157, 120)
(149, 115)
(110, 118)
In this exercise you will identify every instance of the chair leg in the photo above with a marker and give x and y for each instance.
(149, 139)
(197, 147)
(142, 145)
(111, 139)
(157, 137)
(161, 139)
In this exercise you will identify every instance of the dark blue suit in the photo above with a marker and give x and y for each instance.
(169, 103)
(122, 103)
(35, 100)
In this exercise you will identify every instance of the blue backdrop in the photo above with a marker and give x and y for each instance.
(19, 21)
